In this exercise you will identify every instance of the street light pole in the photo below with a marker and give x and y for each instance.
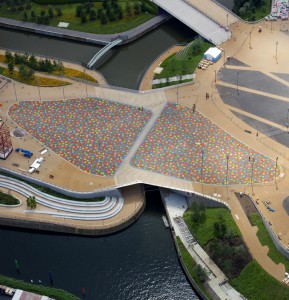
(85, 82)
(237, 83)
(276, 52)
(178, 78)
(15, 92)
(276, 165)
(38, 88)
(215, 76)
(227, 158)
(202, 166)
(252, 175)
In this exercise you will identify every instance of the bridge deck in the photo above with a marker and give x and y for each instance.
(196, 20)
(215, 11)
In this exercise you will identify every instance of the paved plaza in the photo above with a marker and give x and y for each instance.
(187, 145)
(92, 134)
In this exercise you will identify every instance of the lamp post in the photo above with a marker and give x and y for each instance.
(276, 165)
(38, 88)
(227, 171)
(215, 76)
(63, 91)
(85, 82)
(15, 92)
(202, 166)
(252, 174)
(276, 52)
(227, 20)
(237, 83)
(178, 78)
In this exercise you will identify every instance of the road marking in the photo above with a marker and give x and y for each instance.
(237, 217)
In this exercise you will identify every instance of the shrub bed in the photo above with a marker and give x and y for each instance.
(7, 199)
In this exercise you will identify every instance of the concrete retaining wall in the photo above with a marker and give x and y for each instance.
(107, 192)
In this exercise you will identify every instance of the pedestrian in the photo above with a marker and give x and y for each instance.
(257, 134)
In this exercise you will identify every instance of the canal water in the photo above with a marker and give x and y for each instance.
(126, 64)
(139, 263)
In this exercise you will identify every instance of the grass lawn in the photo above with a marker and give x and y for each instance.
(190, 264)
(182, 66)
(265, 239)
(69, 16)
(7, 199)
(38, 289)
(204, 232)
(255, 284)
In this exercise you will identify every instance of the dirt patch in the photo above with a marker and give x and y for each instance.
(247, 205)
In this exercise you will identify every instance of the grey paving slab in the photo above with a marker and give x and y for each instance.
(277, 134)
(265, 107)
(283, 76)
(253, 80)
(286, 205)
(235, 62)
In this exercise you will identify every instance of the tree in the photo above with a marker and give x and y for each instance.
(78, 10)
(25, 72)
(92, 15)
(103, 19)
(31, 202)
(128, 9)
(11, 67)
(59, 12)
(32, 62)
(25, 16)
(196, 46)
(33, 16)
(198, 212)
(201, 273)
(50, 12)
(8, 56)
(83, 16)
(137, 8)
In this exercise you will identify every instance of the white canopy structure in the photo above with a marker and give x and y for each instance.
(213, 54)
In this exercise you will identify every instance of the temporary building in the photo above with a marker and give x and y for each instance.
(213, 54)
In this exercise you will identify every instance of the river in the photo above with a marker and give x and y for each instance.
(138, 263)
(126, 64)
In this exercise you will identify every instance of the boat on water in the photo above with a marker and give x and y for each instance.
(165, 220)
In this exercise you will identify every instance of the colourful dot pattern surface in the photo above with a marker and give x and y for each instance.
(187, 145)
(92, 134)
